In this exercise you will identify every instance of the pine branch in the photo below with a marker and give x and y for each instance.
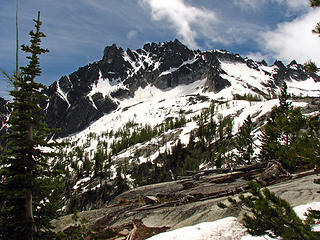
(316, 30)
(311, 67)
(314, 3)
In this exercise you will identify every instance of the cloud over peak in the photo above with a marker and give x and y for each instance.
(294, 40)
(295, 5)
(188, 21)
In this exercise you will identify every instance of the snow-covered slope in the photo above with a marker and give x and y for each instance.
(246, 80)
(152, 107)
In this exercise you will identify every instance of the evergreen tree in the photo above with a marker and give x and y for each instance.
(120, 182)
(27, 187)
(228, 123)
(283, 99)
(311, 66)
(315, 3)
(99, 158)
(220, 147)
(310, 140)
(273, 216)
(280, 136)
(244, 142)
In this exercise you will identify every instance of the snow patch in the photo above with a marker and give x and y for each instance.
(304, 88)
(171, 70)
(105, 86)
(225, 229)
(81, 181)
(62, 94)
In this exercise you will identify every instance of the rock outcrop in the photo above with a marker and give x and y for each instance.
(180, 207)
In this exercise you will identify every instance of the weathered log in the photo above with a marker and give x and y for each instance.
(197, 174)
(228, 178)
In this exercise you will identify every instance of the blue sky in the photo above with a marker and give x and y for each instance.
(78, 30)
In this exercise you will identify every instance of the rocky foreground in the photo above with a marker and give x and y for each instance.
(145, 211)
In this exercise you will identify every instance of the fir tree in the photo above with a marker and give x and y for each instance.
(311, 66)
(280, 136)
(244, 142)
(273, 216)
(27, 184)
(120, 182)
(315, 3)
(283, 99)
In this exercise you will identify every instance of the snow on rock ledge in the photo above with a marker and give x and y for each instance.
(225, 229)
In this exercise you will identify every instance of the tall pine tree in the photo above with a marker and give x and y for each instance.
(27, 187)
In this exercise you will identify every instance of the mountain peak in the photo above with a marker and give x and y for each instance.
(177, 41)
(100, 87)
(110, 52)
(293, 62)
(279, 64)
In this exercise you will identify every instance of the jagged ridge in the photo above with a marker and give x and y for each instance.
(97, 89)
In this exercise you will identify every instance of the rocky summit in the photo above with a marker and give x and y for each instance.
(98, 88)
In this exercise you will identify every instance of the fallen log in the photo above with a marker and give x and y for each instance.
(198, 174)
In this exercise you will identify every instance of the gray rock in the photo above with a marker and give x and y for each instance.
(124, 232)
(296, 191)
(150, 199)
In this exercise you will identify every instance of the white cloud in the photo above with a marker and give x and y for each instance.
(257, 56)
(248, 3)
(132, 34)
(188, 21)
(294, 40)
(296, 5)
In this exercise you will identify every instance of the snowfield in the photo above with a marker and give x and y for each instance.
(225, 229)
(152, 106)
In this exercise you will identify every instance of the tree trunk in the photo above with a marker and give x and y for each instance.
(28, 207)
(29, 216)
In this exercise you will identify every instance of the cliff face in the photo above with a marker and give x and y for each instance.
(98, 88)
